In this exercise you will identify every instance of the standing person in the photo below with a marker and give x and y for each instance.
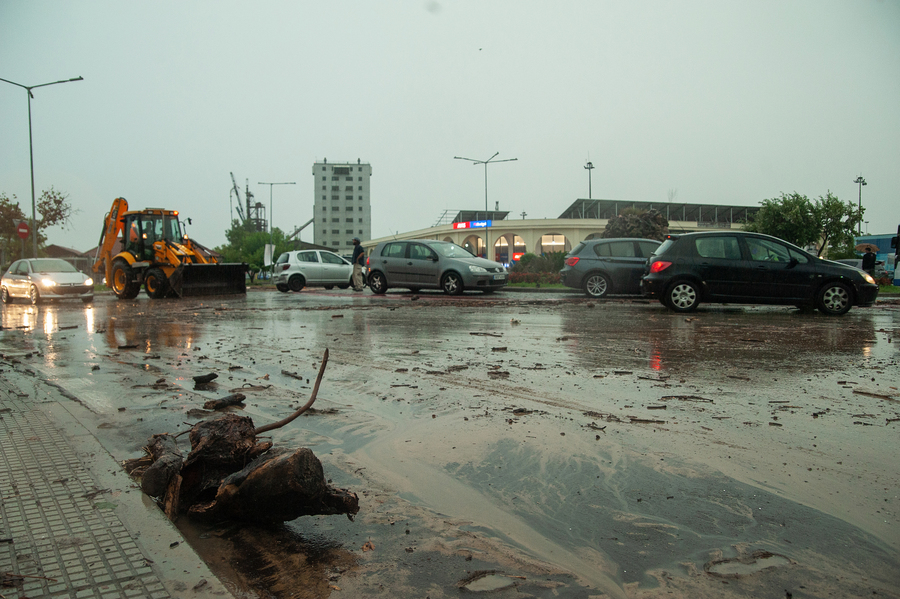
(358, 256)
(868, 263)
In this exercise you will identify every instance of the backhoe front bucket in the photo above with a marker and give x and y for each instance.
(191, 280)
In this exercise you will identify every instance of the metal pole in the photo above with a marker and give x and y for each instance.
(28, 88)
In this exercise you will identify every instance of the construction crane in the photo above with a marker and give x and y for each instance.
(300, 228)
(237, 193)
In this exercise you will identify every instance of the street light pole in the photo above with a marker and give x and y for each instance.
(271, 228)
(28, 89)
(485, 163)
(589, 166)
(861, 182)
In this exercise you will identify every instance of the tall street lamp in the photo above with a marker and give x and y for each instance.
(861, 182)
(271, 228)
(589, 166)
(28, 88)
(485, 163)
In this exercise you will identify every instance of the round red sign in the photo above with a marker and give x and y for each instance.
(23, 229)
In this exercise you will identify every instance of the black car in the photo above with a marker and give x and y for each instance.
(604, 266)
(751, 268)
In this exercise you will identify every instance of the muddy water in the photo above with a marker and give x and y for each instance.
(574, 448)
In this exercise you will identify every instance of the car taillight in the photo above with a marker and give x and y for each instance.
(367, 262)
(572, 261)
(659, 266)
(285, 266)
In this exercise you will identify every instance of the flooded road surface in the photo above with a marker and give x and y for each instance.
(519, 444)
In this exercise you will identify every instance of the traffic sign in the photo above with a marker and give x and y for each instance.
(23, 229)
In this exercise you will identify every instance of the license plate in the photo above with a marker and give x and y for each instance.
(499, 277)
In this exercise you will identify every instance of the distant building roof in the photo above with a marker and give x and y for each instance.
(702, 213)
(58, 251)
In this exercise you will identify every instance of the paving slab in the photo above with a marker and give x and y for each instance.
(73, 525)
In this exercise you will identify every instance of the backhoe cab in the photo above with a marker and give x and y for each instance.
(156, 254)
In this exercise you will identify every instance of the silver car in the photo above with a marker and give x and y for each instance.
(311, 268)
(38, 279)
(430, 264)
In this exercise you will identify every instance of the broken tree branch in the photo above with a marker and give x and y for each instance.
(312, 399)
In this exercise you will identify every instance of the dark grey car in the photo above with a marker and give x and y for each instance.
(604, 266)
(431, 264)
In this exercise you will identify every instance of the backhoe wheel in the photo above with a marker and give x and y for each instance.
(123, 283)
(156, 283)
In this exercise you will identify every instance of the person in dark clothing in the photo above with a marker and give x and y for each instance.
(359, 256)
(868, 261)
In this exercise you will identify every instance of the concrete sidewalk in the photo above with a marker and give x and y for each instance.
(72, 523)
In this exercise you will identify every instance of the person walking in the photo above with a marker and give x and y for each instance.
(868, 261)
(359, 255)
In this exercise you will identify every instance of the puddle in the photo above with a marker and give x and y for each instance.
(486, 582)
(739, 567)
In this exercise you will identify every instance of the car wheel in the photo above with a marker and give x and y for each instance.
(683, 296)
(452, 283)
(124, 284)
(377, 282)
(5, 293)
(343, 286)
(88, 300)
(596, 285)
(414, 290)
(34, 296)
(834, 299)
(329, 287)
(296, 283)
(156, 284)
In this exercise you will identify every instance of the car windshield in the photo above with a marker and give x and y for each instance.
(450, 250)
(51, 265)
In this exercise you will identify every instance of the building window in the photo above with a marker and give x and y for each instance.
(323, 168)
(349, 231)
(323, 207)
(349, 179)
(360, 188)
(335, 243)
(335, 208)
(335, 187)
(324, 220)
(323, 178)
(335, 220)
(348, 188)
(360, 198)
(360, 232)
(335, 231)
(333, 178)
(349, 220)
(360, 220)
(349, 208)
(348, 198)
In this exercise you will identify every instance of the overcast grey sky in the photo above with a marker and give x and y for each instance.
(726, 102)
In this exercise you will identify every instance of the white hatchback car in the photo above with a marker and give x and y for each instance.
(311, 268)
(37, 279)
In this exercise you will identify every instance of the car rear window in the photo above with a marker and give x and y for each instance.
(664, 247)
(577, 249)
(648, 248)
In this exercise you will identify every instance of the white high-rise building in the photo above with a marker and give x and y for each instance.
(341, 207)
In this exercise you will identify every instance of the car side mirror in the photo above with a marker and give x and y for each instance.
(792, 263)
(433, 258)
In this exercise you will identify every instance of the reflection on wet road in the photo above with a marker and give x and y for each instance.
(584, 446)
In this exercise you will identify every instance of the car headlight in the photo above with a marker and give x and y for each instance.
(869, 279)
(48, 282)
(89, 281)
(473, 268)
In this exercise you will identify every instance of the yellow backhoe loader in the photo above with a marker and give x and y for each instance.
(154, 253)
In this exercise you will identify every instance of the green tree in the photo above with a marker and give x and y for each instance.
(839, 222)
(634, 222)
(791, 217)
(10, 212)
(245, 245)
(826, 222)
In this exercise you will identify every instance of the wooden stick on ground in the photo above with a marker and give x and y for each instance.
(308, 405)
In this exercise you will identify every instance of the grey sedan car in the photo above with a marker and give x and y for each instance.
(37, 279)
(430, 264)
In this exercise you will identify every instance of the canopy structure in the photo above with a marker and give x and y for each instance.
(711, 214)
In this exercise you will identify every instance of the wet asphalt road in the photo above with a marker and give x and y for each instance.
(575, 447)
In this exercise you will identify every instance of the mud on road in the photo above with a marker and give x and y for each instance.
(519, 445)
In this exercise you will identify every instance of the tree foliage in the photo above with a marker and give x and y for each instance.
(825, 222)
(246, 245)
(53, 210)
(550, 262)
(632, 222)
